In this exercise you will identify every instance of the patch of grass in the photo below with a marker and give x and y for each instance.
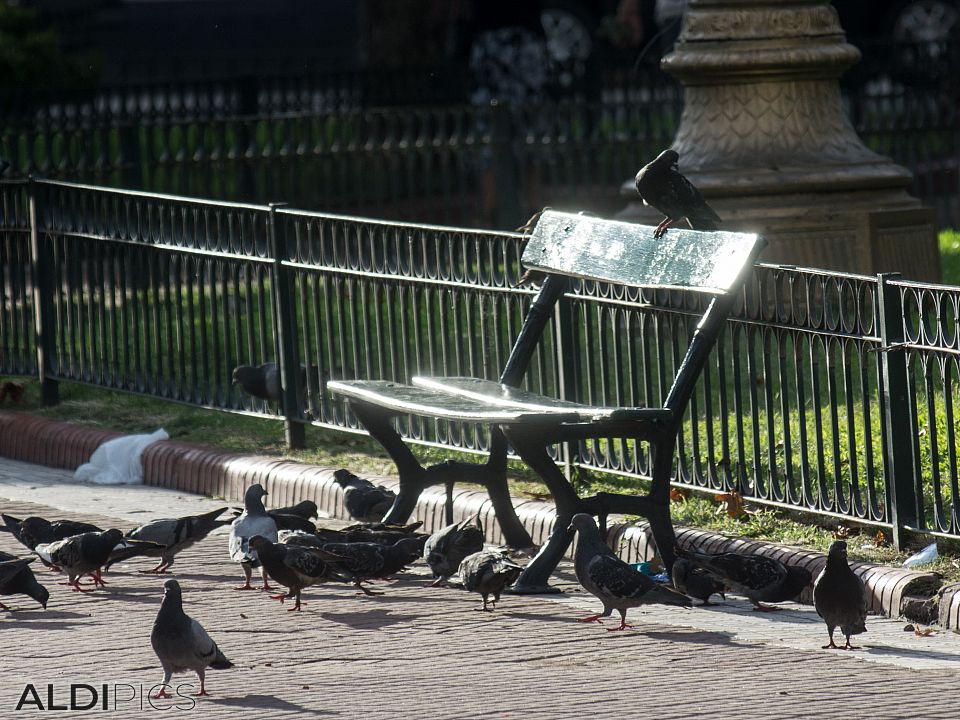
(950, 257)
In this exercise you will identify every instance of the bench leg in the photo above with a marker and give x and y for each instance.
(414, 478)
(659, 513)
(535, 577)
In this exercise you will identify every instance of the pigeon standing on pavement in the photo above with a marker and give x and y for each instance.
(253, 521)
(662, 187)
(81, 555)
(22, 582)
(363, 500)
(306, 509)
(615, 583)
(840, 597)
(33, 531)
(173, 534)
(762, 579)
(488, 572)
(293, 566)
(446, 548)
(695, 581)
(362, 561)
(181, 643)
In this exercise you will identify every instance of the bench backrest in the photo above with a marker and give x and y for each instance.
(563, 244)
(628, 254)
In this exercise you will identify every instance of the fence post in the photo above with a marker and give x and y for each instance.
(286, 335)
(44, 324)
(899, 444)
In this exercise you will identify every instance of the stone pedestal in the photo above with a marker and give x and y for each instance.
(765, 137)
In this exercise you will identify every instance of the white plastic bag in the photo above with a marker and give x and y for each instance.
(117, 461)
(927, 555)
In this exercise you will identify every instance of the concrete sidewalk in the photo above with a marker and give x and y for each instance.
(423, 652)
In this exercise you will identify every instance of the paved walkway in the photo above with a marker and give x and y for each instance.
(423, 652)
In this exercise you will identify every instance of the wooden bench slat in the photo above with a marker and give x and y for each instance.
(628, 254)
(493, 393)
(432, 403)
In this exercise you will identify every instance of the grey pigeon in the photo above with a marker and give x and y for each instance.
(33, 531)
(762, 579)
(172, 534)
(662, 187)
(181, 643)
(362, 561)
(263, 381)
(363, 500)
(294, 566)
(839, 596)
(488, 572)
(615, 583)
(695, 581)
(446, 548)
(307, 509)
(253, 521)
(22, 582)
(80, 555)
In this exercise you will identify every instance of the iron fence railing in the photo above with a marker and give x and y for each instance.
(830, 393)
(243, 142)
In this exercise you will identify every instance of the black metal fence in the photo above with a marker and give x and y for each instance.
(831, 393)
(318, 143)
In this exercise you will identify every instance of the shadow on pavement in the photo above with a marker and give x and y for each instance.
(370, 620)
(268, 702)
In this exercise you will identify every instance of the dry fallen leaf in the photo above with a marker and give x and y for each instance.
(678, 495)
(879, 540)
(734, 503)
(923, 632)
(842, 532)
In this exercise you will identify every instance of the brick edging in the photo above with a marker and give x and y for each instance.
(210, 471)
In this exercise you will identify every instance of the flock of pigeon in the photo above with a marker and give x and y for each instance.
(286, 547)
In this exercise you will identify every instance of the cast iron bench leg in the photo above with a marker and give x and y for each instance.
(414, 478)
(535, 577)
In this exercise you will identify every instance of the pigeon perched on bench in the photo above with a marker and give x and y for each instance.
(696, 582)
(172, 534)
(762, 579)
(363, 500)
(488, 572)
(181, 643)
(662, 187)
(294, 567)
(22, 582)
(840, 597)
(253, 521)
(612, 581)
(446, 548)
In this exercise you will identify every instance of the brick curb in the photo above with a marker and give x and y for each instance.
(209, 471)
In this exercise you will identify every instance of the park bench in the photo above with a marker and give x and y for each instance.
(564, 246)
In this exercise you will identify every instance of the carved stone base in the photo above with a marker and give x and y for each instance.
(863, 232)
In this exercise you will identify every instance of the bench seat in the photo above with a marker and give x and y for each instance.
(467, 399)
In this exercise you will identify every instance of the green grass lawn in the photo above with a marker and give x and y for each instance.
(950, 256)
